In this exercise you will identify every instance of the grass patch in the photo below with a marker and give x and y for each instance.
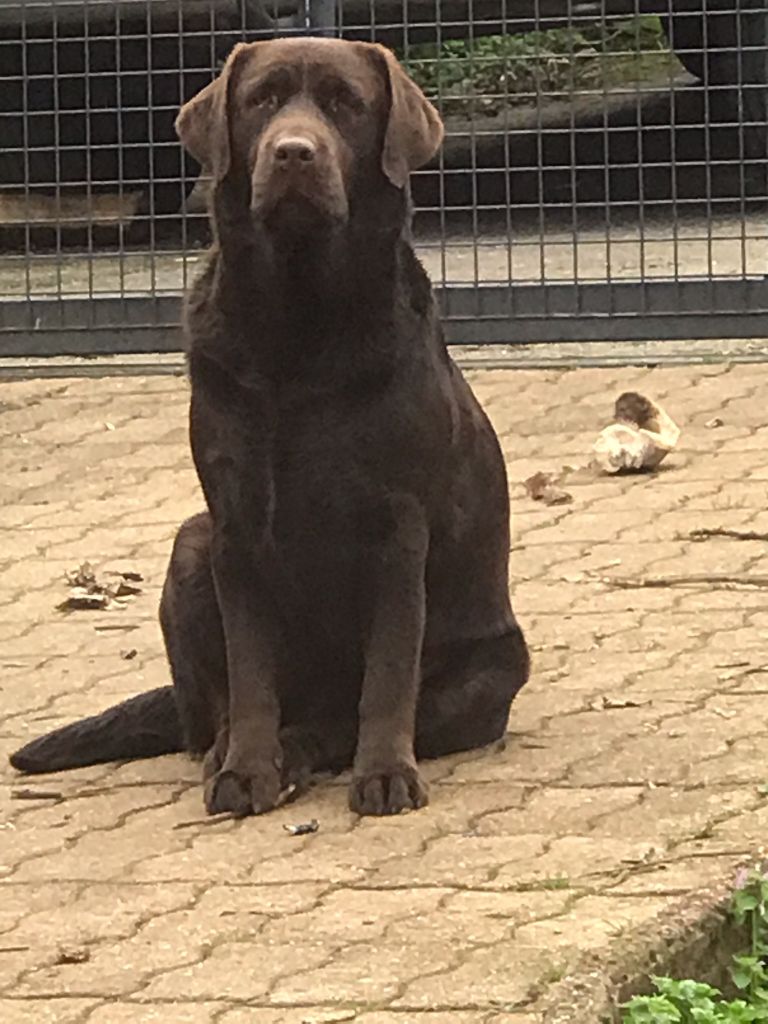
(693, 1002)
(487, 74)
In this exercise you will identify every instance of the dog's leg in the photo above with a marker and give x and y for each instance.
(194, 640)
(385, 778)
(191, 622)
(466, 705)
(230, 430)
(249, 781)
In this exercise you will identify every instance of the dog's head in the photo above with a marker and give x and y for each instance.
(305, 125)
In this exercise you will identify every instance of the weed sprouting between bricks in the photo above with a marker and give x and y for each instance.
(694, 1002)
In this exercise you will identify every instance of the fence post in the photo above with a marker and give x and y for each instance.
(321, 17)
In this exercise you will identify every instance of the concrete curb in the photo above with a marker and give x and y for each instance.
(696, 940)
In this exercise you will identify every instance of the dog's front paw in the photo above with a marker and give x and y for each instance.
(387, 790)
(215, 757)
(240, 792)
(296, 774)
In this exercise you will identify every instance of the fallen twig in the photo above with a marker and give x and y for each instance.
(616, 704)
(214, 819)
(36, 794)
(705, 533)
(286, 796)
(715, 582)
(758, 670)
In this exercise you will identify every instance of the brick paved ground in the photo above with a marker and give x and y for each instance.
(591, 822)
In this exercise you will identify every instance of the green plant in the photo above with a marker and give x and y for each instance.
(692, 1002)
(750, 907)
(490, 73)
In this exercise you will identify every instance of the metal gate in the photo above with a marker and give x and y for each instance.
(604, 174)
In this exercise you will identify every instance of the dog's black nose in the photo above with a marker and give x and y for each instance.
(295, 149)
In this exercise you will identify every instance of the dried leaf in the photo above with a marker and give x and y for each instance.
(73, 955)
(89, 593)
(542, 487)
(81, 599)
(127, 574)
(124, 589)
(83, 576)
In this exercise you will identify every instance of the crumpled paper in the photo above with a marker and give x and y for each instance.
(639, 439)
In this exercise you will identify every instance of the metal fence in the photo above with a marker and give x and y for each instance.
(604, 173)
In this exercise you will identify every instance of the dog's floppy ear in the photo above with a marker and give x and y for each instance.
(414, 128)
(203, 123)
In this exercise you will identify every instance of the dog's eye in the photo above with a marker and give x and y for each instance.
(265, 101)
(341, 101)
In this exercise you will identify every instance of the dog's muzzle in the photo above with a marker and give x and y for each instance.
(297, 180)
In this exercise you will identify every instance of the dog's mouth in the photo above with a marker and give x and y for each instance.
(296, 213)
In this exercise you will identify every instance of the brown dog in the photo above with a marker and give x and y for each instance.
(345, 598)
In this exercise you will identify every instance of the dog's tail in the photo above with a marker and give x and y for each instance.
(144, 726)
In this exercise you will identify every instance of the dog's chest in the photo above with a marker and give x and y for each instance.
(318, 508)
(322, 485)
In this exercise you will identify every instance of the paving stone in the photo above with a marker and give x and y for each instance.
(633, 772)
(85, 915)
(157, 1013)
(289, 1015)
(424, 1017)
(593, 923)
(364, 973)
(685, 875)
(468, 860)
(502, 974)
(59, 1011)
(244, 970)
(563, 810)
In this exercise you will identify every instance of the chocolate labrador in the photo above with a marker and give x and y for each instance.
(344, 600)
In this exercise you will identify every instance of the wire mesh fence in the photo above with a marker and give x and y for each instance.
(604, 175)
